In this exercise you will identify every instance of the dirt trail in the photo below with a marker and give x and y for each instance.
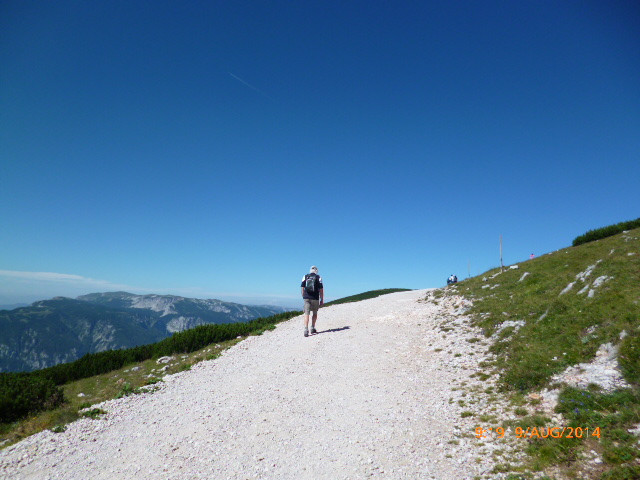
(372, 394)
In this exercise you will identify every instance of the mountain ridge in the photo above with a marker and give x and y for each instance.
(62, 329)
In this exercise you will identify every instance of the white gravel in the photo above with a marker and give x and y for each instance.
(374, 393)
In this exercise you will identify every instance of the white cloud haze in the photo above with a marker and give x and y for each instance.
(27, 287)
(50, 276)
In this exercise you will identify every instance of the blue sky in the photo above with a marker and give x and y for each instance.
(218, 149)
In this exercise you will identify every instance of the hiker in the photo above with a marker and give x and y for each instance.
(452, 279)
(313, 295)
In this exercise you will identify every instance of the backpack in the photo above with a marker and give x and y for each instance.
(310, 282)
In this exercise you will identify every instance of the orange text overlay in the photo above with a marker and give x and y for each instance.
(539, 432)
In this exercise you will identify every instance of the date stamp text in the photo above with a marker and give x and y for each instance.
(538, 432)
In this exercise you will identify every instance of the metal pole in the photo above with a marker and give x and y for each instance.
(501, 264)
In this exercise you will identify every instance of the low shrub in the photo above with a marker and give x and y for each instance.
(126, 390)
(23, 394)
(94, 413)
(604, 232)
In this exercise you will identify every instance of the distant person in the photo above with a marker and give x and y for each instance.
(313, 295)
(452, 279)
(531, 256)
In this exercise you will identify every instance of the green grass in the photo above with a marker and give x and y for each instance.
(607, 417)
(570, 326)
(557, 330)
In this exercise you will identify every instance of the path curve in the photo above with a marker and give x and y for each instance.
(373, 394)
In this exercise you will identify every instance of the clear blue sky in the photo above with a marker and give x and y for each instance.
(219, 149)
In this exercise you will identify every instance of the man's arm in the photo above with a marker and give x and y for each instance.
(321, 296)
(302, 291)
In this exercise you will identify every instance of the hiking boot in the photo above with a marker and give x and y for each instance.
(313, 330)
(306, 332)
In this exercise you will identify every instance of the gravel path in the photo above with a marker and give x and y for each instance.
(372, 394)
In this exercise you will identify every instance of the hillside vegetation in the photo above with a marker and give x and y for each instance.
(605, 232)
(556, 311)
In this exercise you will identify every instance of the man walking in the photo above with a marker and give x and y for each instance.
(313, 295)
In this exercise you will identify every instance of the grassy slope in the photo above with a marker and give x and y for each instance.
(562, 332)
(563, 329)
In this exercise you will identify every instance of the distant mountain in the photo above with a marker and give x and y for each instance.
(62, 329)
(13, 306)
(180, 313)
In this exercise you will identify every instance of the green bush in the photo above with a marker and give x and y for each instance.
(126, 390)
(94, 413)
(23, 394)
(604, 232)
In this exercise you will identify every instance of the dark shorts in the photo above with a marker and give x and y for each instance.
(311, 305)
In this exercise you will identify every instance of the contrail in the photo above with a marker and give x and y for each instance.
(249, 85)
